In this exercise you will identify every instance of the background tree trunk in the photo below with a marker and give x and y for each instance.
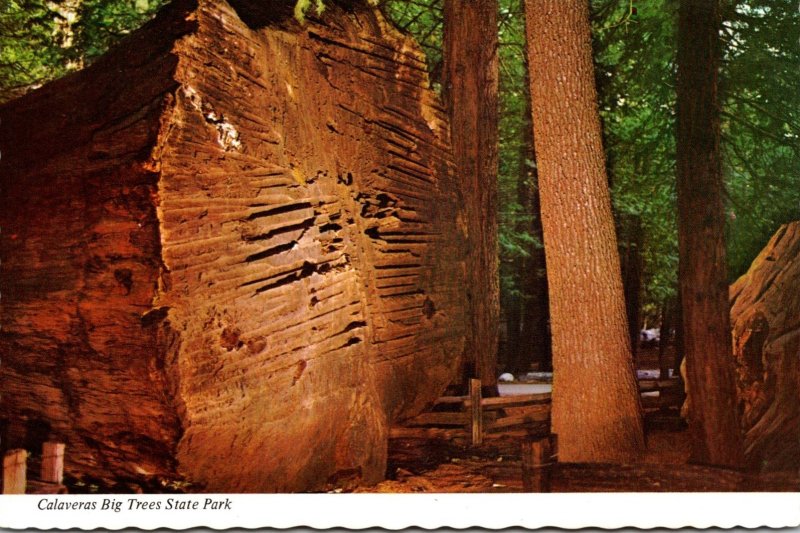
(596, 407)
(470, 89)
(631, 251)
(713, 420)
(535, 312)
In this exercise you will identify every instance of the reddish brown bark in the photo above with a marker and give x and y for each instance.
(230, 250)
(713, 420)
(470, 81)
(766, 345)
(596, 409)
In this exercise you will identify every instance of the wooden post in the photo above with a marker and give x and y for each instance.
(15, 464)
(538, 457)
(52, 462)
(476, 411)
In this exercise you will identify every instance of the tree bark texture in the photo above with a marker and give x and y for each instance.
(230, 250)
(596, 407)
(470, 81)
(713, 420)
(766, 344)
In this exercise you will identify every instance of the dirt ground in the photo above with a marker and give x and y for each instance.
(452, 465)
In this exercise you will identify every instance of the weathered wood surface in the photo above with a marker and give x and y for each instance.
(475, 411)
(497, 402)
(15, 463)
(538, 458)
(765, 315)
(229, 236)
(52, 470)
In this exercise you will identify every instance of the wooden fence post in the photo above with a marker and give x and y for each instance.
(15, 464)
(52, 462)
(538, 457)
(476, 411)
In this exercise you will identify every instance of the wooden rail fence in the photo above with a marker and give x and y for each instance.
(480, 416)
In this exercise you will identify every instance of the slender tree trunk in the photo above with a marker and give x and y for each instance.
(596, 408)
(631, 235)
(535, 313)
(713, 419)
(471, 84)
(520, 347)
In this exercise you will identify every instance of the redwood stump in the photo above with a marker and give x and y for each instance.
(231, 250)
(765, 315)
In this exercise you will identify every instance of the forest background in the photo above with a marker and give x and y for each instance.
(635, 47)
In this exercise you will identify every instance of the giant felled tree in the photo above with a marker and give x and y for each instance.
(713, 420)
(596, 408)
(470, 82)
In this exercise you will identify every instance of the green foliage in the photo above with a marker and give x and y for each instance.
(423, 20)
(761, 123)
(302, 6)
(634, 42)
(635, 71)
(41, 40)
(761, 113)
(28, 53)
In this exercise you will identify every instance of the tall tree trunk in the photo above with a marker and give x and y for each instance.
(518, 348)
(535, 311)
(631, 236)
(596, 409)
(471, 84)
(713, 419)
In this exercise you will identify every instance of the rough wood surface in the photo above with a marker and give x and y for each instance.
(470, 89)
(475, 411)
(15, 464)
(52, 468)
(596, 407)
(702, 269)
(537, 463)
(766, 339)
(243, 240)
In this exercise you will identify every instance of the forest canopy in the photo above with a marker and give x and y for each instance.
(634, 48)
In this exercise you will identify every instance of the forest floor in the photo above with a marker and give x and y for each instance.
(454, 466)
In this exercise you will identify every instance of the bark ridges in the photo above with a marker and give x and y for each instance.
(252, 246)
(766, 344)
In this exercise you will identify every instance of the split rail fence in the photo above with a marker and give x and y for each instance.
(452, 416)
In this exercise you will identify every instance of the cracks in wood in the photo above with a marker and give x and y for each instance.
(280, 210)
(271, 252)
(227, 134)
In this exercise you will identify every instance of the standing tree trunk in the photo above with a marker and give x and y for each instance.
(470, 88)
(713, 420)
(596, 409)
(631, 236)
(535, 311)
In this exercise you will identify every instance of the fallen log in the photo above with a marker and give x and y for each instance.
(230, 234)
